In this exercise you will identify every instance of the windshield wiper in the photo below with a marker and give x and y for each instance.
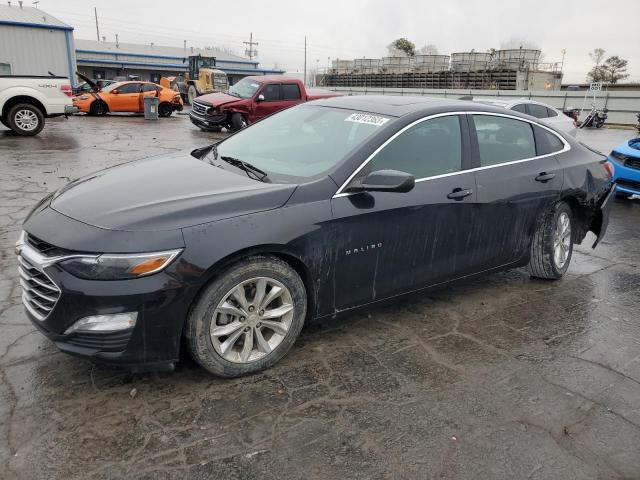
(250, 170)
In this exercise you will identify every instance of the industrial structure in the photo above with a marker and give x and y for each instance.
(151, 62)
(517, 69)
(32, 42)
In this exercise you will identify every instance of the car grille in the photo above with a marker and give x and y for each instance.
(199, 108)
(632, 163)
(630, 184)
(43, 247)
(39, 293)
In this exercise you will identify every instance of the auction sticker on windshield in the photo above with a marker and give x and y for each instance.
(366, 118)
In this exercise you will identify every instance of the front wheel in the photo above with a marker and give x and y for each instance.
(192, 94)
(248, 318)
(552, 243)
(25, 119)
(238, 122)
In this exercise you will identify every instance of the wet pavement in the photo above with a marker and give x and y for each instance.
(504, 377)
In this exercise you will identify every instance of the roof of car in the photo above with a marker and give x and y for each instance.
(272, 78)
(397, 106)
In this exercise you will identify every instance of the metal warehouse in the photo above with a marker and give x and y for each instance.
(32, 42)
(150, 62)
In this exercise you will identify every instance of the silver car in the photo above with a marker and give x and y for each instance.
(546, 113)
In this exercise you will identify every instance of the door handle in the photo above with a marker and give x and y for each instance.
(545, 177)
(459, 193)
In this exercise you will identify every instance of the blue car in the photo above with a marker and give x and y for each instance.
(626, 162)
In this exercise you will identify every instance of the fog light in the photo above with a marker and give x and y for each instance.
(104, 323)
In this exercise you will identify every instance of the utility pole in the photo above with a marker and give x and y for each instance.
(315, 77)
(95, 12)
(305, 60)
(250, 52)
(117, 41)
(564, 51)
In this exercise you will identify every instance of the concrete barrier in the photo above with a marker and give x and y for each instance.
(623, 105)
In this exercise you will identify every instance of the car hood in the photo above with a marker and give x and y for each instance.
(630, 148)
(164, 193)
(217, 99)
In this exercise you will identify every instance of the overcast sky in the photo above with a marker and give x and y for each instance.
(359, 28)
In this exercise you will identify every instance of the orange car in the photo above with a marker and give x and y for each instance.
(127, 97)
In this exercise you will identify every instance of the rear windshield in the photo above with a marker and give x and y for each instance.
(301, 142)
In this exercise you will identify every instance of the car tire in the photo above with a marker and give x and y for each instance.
(238, 122)
(552, 244)
(222, 321)
(4, 122)
(165, 110)
(98, 108)
(25, 119)
(192, 94)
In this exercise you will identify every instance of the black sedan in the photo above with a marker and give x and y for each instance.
(316, 210)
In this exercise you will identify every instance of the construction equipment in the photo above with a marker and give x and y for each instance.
(201, 78)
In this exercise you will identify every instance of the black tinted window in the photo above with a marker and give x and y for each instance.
(129, 88)
(538, 111)
(430, 148)
(149, 87)
(271, 93)
(502, 139)
(521, 107)
(551, 112)
(290, 92)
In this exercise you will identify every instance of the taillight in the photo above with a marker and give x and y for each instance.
(608, 166)
(66, 89)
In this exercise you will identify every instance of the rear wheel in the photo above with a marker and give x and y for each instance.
(248, 318)
(165, 110)
(98, 108)
(552, 244)
(25, 119)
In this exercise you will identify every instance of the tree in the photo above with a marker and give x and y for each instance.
(402, 47)
(597, 55)
(613, 69)
(429, 50)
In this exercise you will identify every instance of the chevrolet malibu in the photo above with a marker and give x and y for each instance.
(316, 210)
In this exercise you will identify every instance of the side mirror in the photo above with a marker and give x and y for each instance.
(115, 92)
(260, 98)
(385, 181)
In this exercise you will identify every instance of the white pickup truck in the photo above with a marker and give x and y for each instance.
(25, 101)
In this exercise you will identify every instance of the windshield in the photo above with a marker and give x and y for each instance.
(301, 142)
(245, 88)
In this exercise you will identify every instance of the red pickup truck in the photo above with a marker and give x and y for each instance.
(249, 100)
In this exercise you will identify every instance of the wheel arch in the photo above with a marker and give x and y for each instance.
(282, 252)
(23, 99)
(583, 214)
(101, 100)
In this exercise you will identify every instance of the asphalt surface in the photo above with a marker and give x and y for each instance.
(505, 377)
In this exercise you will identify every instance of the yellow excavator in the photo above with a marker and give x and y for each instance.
(201, 78)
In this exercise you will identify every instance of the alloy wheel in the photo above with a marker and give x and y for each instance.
(562, 240)
(252, 319)
(26, 120)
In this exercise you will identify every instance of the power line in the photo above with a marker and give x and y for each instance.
(251, 52)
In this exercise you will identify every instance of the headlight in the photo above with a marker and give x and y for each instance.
(119, 266)
(621, 157)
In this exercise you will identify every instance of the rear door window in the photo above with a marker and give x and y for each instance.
(290, 91)
(551, 112)
(521, 107)
(149, 87)
(547, 142)
(502, 139)
(432, 147)
(538, 111)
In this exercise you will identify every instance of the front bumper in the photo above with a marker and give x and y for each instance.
(209, 121)
(55, 300)
(627, 179)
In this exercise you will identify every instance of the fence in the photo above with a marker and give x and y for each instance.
(623, 105)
